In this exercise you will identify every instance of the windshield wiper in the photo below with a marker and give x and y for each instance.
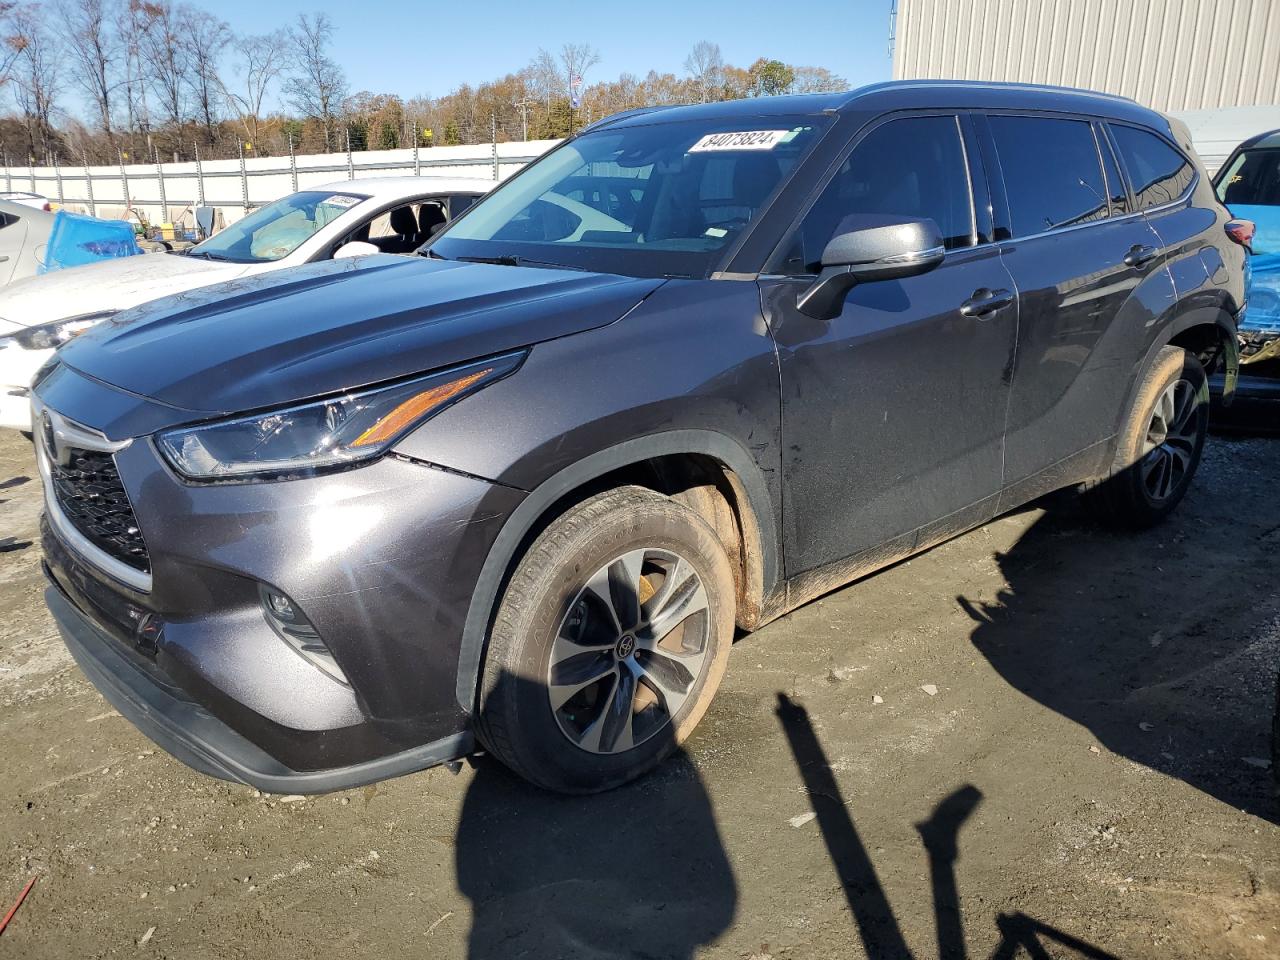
(511, 260)
(208, 256)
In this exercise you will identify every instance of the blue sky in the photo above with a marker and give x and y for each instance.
(432, 47)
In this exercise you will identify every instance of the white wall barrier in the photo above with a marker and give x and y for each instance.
(167, 192)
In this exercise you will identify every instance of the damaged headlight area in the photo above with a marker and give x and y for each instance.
(325, 434)
(50, 336)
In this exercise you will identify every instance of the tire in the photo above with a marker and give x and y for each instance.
(558, 620)
(1160, 444)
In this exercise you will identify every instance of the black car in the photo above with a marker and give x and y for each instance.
(343, 522)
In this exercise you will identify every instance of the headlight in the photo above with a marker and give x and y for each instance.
(330, 433)
(50, 336)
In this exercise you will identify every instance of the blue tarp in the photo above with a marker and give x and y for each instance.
(76, 240)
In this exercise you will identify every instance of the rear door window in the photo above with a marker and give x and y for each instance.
(1158, 172)
(1052, 173)
(912, 167)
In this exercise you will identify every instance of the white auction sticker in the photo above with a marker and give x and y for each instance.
(744, 140)
(341, 200)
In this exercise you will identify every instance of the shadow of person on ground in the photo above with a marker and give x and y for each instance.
(1160, 651)
(635, 872)
(881, 935)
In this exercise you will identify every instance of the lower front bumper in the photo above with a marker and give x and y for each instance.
(200, 740)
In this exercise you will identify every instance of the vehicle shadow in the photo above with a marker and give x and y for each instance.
(1160, 652)
(878, 928)
(639, 871)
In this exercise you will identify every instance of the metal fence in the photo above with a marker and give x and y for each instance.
(168, 192)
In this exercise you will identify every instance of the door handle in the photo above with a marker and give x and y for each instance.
(1140, 255)
(985, 302)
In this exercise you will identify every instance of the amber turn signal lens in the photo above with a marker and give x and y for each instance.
(416, 407)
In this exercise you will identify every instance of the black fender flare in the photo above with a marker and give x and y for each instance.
(484, 598)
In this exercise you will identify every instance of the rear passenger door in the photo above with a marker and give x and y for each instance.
(1090, 281)
(893, 412)
(1162, 181)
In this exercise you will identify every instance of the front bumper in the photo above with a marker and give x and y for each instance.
(189, 732)
(381, 560)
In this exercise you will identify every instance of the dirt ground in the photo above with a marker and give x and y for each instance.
(1040, 739)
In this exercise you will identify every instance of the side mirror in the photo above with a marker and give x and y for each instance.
(356, 248)
(867, 248)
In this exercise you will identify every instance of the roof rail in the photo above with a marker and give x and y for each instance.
(622, 115)
(981, 84)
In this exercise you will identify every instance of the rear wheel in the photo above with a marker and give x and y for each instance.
(1160, 446)
(609, 642)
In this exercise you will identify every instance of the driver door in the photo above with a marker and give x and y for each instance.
(893, 412)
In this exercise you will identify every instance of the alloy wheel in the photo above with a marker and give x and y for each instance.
(1169, 446)
(630, 651)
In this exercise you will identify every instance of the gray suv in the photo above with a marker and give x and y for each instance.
(691, 369)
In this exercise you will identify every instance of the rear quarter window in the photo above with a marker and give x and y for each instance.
(1158, 173)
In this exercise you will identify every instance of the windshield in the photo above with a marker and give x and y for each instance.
(279, 228)
(663, 199)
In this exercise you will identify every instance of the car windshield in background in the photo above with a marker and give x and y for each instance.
(277, 229)
(648, 200)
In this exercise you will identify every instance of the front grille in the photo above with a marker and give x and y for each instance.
(92, 498)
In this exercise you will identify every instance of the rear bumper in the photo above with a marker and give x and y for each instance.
(187, 730)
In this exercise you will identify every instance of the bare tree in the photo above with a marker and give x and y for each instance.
(262, 58)
(544, 78)
(320, 85)
(94, 53)
(204, 38)
(706, 66)
(34, 74)
(132, 23)
(577, 59)
(817, 80)
(166, 68)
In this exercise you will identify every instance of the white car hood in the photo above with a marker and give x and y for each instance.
(108, 285)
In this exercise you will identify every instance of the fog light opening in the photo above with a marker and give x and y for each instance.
(292, 626)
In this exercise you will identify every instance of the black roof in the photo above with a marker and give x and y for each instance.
(1269, 139)
(902, 95)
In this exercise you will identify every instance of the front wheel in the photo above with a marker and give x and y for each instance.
(1160, 446)
(609, 642)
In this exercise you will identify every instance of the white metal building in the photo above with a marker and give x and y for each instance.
(1174, 55)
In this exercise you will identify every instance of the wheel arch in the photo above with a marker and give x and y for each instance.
(1207, 330)
(707, 471)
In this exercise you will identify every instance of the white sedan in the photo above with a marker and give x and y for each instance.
(32, 200)
(349, 218)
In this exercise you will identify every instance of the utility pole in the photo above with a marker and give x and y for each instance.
(199, 175)
(164, 201)
(244, 178)
(88, 183)
(493, 133)
(523, 106)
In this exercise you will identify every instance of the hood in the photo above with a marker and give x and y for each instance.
(107, 285)
(304, 332)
